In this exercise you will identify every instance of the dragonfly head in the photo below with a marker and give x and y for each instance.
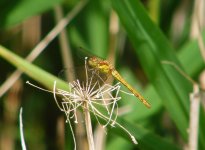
(99, 64)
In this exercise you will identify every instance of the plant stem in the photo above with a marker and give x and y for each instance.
(88, 126)
(194, 118)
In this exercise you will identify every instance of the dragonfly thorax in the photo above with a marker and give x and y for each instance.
(102, 65)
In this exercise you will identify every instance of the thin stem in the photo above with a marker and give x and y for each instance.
(23, 145)
(65, 45)
(194, 118)
(88, 126)
(66, 55)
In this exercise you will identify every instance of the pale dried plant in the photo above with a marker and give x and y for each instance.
(93, 95)
(23, 144)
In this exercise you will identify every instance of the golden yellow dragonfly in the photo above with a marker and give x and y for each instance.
(105, 67)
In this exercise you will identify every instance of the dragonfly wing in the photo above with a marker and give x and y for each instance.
(95, 75)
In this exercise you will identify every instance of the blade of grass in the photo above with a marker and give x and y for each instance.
(152, 48)
(133, 17)
(186, 54)
(31, 70)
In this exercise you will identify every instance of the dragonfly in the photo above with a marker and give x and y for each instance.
(105, 67)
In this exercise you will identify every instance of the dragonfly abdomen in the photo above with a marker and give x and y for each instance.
(135, 92)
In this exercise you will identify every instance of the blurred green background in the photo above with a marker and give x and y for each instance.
(152, 43)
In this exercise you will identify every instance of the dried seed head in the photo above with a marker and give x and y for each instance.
(94, 94)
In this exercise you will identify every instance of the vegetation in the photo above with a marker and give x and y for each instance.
(157, 46)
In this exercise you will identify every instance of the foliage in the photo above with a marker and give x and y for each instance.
(141, 46)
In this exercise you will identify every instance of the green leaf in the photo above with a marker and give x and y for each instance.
(16, 11)
(32, 71)
(186, 54)
(152, 49)
(97, 29)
